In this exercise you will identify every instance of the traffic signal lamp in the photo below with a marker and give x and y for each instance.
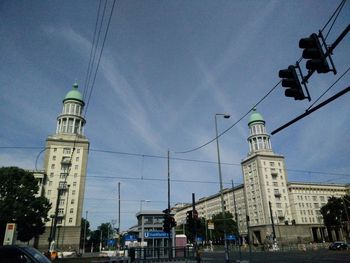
(314, 52)
(166, 221)
(172, 222)
(291, 81)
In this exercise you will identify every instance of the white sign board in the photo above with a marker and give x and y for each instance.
(10, 234)
(211, 225)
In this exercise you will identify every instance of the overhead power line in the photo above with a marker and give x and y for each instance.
(92, 53)
(99, 59)
(165, 157)
(234, 124)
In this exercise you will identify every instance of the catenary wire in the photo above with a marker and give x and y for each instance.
(234, 124)
(95, 48)
(346, 71)
(100, 55)
(172, 158)
(91, 51)
(335, 19)
(336, 10)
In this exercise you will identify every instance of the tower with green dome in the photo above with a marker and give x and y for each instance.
(258, 139)
(65, 165)
(265, 182)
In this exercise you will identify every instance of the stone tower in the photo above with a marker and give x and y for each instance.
(65, 165)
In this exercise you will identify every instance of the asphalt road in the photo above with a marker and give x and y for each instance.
(281, 257)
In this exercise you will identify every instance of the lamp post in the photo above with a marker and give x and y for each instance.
(85, 226)
(142, 221)
(226, 116)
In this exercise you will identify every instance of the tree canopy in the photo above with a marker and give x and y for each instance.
(336, 213)
(19, 204)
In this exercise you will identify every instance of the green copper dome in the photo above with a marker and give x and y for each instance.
(74, 94)
(255, 117)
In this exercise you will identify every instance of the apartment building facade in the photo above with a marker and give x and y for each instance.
(267, 199)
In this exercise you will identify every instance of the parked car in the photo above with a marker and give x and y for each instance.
(339, 245)
(20, 254)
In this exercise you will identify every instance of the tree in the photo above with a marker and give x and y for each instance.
(231, 225)
(84, 223)
(336, 213)
(18, 204)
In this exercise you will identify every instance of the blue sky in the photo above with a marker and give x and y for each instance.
(166, 69)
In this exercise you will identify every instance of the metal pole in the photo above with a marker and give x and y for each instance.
(236, 218)
(273, 225)
(169, 238)
(85, 232)
(118, 213)
(221, 189)
(65, 217)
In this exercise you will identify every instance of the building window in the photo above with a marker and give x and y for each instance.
(77, 159)
(51, 174)
(66, 150)
(50, 183)
(75, 175)
(48, 192)
(73, 192)
(54, 158)
(60, 211)
(54, 150)
(74, 184)
(78, 150)
(70, 125)
(71, 211)
(76, 167)
(72, 202)
(62, 202)
(70, 220)
(52, 166)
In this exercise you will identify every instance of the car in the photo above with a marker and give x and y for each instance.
(338, 245)
(21, 254)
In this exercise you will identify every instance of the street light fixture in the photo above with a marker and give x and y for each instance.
(226, 116)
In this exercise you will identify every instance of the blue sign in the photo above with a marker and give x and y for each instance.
(200, 239)
(130, 238)
(111, 242)
(230, 237)
(156, 234)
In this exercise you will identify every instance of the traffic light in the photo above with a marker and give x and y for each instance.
(314, 52)
(291, 81)
(189, 221)
(172, 222)
(166, 221)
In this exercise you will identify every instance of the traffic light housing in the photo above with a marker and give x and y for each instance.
(313, 51)
(166, 221)
(291, 81)
(172, 222)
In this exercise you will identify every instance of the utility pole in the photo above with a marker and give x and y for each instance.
(273, 225)
(85, 232)
(169, 237)
(236, 219)
(118, 213)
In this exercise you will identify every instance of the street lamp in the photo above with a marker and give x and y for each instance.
(141, 201)
(142, 221)
(226, 116)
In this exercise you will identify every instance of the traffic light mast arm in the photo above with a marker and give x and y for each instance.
(341, 93)
(302, 82)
